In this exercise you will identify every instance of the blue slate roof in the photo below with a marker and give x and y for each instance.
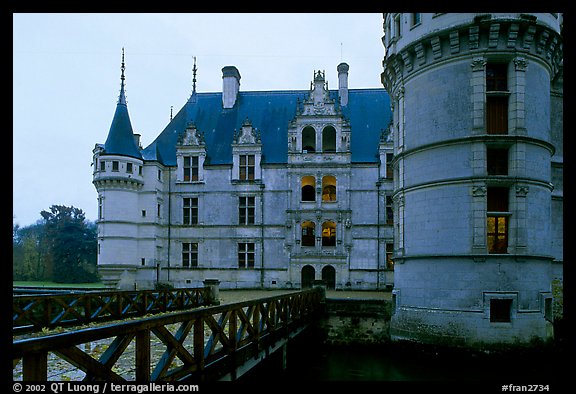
(120, 139)
(368, 111)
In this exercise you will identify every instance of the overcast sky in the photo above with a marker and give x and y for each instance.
(66, 81)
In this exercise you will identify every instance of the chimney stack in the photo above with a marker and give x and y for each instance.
(230, 86)
(137, 140)
(343, 83)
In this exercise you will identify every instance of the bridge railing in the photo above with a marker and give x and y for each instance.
(203, 344)
(34, 312)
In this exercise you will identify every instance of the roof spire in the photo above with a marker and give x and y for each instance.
(192, 98)
(171, 113)
(122, 97)
(194, 69)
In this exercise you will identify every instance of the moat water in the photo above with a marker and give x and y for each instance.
(309, 360)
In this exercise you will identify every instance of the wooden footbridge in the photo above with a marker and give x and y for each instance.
(200, 343)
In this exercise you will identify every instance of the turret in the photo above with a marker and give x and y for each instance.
(471, 126)
(118, 176)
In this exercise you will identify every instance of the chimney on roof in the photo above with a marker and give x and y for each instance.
(343, 83)
(230, 86)
(137, 140)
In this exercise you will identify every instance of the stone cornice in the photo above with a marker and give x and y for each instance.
(516, 36)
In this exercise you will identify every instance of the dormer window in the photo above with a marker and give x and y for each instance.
(246, 153)
(191, 168)
(190, 155)
(247, 167)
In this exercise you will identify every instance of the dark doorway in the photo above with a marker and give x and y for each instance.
(329, 277)
(308, 274)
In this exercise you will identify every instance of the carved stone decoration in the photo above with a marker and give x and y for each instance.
(529, 36)
(520, 63)
(247, 135)
(522, 191)
(512, 35)
(436, 47)
(543, 39)
(473, 36)
(419, 48)
(454, 42)
(493, 35)
(407, 61)
(479, 191)
(478, 64)
(191, 136)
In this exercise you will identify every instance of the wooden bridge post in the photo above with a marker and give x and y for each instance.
(211, 291)
(143, 356)
(35, 367)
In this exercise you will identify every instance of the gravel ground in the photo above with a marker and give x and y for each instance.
(231, 296)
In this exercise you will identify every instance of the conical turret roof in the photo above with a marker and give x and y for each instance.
(120, 139)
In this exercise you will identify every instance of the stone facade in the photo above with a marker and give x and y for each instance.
(245, 217)
(476, 125)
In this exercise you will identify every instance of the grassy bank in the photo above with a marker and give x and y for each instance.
(97, 285)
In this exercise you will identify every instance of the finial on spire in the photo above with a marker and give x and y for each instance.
(122, 97)
(194, 69)
(171, 113)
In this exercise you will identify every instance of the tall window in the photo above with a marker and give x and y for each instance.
(329, 139)
(497, 161)
(497, 225)
(397, 24)
(328, 188)
(497, 98)
(308, 188)
(389, 210)
(102, 165)
(190, 211)
(189, 254)
(308, 234)
(328, 234)
(115, 165)
(389, 254)
(389, 167)
(308, 140)
(246, 255)
(247, 167)
(100, 207)
(246, 209)
(416, 18)
(190, 168)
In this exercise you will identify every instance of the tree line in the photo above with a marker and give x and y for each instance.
(61, 247)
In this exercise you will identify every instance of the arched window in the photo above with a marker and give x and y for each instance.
(329, 188)
(308, 188)
(329, 139)
(308, 234)
(309, 139)
(328, 234)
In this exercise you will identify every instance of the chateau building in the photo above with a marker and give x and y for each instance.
(446, 185)
(264, 189)
(477, 131)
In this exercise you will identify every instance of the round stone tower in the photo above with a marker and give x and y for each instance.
(118, 177)
(470, 95)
